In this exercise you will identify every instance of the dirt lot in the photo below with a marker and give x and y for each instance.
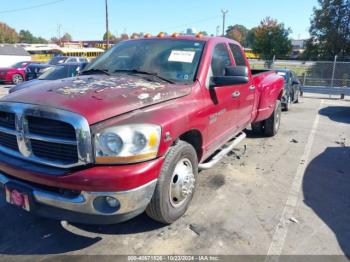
(286, 195)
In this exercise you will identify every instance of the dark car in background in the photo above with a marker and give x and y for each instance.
(58, 60)
(53, 73)
(14, 74)
(291, 87)
(34, 70)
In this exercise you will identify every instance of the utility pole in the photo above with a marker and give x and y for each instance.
(107, 27)
(59, 26)
(217, 30)
(224, 12)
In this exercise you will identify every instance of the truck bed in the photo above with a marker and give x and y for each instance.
(267, 83)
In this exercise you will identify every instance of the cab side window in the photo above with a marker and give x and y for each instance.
(237, 55)
(220, 60)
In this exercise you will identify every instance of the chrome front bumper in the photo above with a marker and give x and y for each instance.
(86, 202)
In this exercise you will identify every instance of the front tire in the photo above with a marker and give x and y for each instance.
(17, 79)
(272, 124)
(176, 184)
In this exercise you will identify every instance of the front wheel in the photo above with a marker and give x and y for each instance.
(176, 184)
(272, 124)
(17, 79)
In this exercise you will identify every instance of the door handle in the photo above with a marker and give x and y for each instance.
(252, 88)
(236, 94)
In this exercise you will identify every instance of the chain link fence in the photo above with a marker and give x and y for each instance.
(325, 77)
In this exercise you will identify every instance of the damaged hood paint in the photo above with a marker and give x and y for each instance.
(99, 97)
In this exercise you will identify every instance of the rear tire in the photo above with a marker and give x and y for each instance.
(175, 185)
(17, 79)
(258, 128)
(286, 105)
(272, 124)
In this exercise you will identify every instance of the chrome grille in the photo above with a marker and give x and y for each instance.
(51, 128)
(9, 141)
(48, 136)
(7, 120)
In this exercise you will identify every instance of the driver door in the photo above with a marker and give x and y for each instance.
(223, 109)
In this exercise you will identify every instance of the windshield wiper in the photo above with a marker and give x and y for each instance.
(95, 71)
(135, 71)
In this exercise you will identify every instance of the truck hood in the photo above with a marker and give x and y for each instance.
(99, 97)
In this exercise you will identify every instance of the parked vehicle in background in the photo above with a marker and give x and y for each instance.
(54, 73)
(34, 70)
(44, 52)
(131, 132)
(14, 74)
(291, 87)
(57, 60)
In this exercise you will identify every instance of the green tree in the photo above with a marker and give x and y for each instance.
(112, 38)
(7, 34)
(40, 40)
(238, 33)
(330, 29)
(205, 33)
(26, 37)
(250, 38)
(66, 37)
(272, 39)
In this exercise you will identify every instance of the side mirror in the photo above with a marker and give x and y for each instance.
(234, 75)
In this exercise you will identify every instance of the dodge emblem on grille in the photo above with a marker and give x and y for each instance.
(23, 142)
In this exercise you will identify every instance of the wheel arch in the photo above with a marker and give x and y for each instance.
(194, 137)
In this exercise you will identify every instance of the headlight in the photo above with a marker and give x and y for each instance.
(127, 144)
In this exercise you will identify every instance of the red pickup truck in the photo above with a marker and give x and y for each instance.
(132, 131)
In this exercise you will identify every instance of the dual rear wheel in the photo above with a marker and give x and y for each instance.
(270, 126)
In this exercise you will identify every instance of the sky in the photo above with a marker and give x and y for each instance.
(85, 19)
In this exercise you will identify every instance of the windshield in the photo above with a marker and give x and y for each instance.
(174, 60)
(19, 65)
(57, 60)
(60, 72)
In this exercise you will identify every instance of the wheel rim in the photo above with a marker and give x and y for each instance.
(17, 79)
(182, 183)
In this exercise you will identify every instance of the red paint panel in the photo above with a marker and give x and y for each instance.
(96, 179)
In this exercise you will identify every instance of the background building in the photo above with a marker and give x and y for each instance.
(11, 54)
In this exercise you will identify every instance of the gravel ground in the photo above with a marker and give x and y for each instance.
(285, 195)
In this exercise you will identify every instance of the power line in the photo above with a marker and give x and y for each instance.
(30, 7)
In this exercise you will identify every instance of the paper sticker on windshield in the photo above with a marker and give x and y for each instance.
(181, 56)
